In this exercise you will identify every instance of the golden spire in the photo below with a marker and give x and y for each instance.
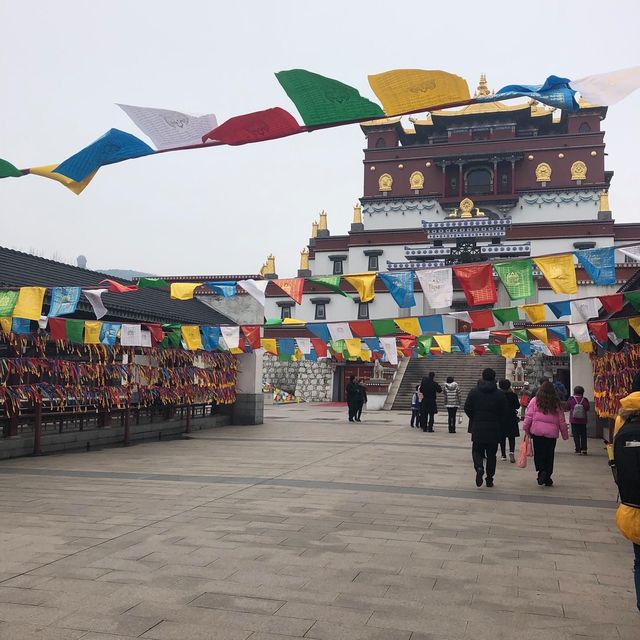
(304, 259)
(357, 213)
(323, 221)
(604, 201)
(263, 269)
(270, 265)
(314, 229)
(483, 89)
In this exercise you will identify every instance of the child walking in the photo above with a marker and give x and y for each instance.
(578, 407)
(415, 408)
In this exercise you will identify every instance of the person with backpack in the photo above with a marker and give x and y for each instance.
(451, 401)
(626, 463)
(544, 422)
(415, 408)
(510, 430)
(578, 407)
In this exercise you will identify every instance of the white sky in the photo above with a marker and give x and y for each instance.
(64, 65)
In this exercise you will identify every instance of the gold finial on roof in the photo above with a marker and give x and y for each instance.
(323, 221)
(314, 229)
(466, 207)
(357, 213)
(263, 269)
(270, 265)
(604, 201)
(482, 89)
(304, 259)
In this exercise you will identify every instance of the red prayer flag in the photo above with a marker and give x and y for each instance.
(116, 287)
(407, 342)
(362, 328)
(613, 303)
(482, 319)
(555, 347)
(477, 283)
(320, 347)
(58, 328)
(252, 334)
(157, 334)
(600, 331)
(255, 127)
(292, 287)
(479, 349)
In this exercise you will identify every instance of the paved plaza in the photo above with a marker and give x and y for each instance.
(310, 527)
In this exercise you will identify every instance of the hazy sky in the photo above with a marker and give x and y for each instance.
(63, 65)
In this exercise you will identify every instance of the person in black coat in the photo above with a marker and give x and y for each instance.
(486, 407)
(510, 430)
(353, 394)
(362, 400)
(429, 388)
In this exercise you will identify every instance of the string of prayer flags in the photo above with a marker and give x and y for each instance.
(117, 287)
(320, 347)
(114, 146)
(400, 286)
(190, 335)
(252, 334)
(584, 309)
(444, 342)
(620, 328)
(560, 272)
(258, 126)
(330, 282)
(554, 91)
(431, 324)
(361, 328)
(612, 303)
(47, 171)
(255, 288)
(560, 309)
(29, 303)
(482, 319)
(539, 334)
(599, 264)
(508, 314)
(437, 287)
(535, 312)
(517, 278)
(64, 301)
(409, 325)
(388, 345)
(608, 88)
(404, 91)
(292, 287)
(183, 290)
(321, 100)
(7, 170)
(339, 331)
(92, 330)
(477, 283)
(364, 284)
(8, 300)
(630, 296)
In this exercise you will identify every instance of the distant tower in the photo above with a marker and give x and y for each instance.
(81, 261)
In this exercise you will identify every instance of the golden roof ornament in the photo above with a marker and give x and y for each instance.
(466, 207)
(270, 265)
(604, 201)
(304, 259)
(314, 229)
(482, 89)
(323, 221)
(357, 213)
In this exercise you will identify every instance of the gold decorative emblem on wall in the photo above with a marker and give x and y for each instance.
(578, 170)
(543, 172)
(416, 181)
(385, 182)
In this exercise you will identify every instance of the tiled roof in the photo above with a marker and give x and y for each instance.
(18, 269)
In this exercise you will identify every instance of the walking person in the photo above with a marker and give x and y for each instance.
(352, 397)
(578, 407)
(510, 430)
(429, 388)
(415, 408)
(451, 401)
(362, 399)
(544, 421)
(486, 407)
(626, 440)
(524, 398)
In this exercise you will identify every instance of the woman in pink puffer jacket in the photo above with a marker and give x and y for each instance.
(544, 422)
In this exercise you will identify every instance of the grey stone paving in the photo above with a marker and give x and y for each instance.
(309, 527)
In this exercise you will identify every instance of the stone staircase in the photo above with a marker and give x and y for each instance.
(465, 369)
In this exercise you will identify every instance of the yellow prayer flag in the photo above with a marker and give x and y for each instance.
(92, 331)
(444, 342)
(535, 312)
(634, 323)
(354, 347)
(364, 284)
(559, 272)
(508, 350)
(586, 347)
(269, 345)
(407, 90)
(540, 334)
(409, 325)
(365, 356)
(5, 324)
(292, 321)
(29, 303)
(236, 350)
(192, 337)
(46, 171)
(183, 290)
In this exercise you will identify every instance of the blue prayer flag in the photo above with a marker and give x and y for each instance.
(210, 338)
(400, 286)
(113, 146)
(373, 344)
(559, 309)
(21, 325)
(64, 301)
(109, 333)
(525, 348)
(462, 341)
(320, 330)
(560, 332)
(286, 346)
(600, 264)
(224, 289)
(431, 324)
(555, 92)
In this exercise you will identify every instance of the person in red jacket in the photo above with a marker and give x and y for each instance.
(578, 407)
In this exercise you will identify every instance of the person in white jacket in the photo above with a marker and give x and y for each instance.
(452, 401)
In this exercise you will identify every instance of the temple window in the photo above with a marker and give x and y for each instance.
(479, 181)
(585, 127)
(363, 311)
(285, 312)
(380, 143)
(321, 311)
(337, 267)
(373, 258)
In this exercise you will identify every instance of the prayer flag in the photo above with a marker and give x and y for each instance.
(580, 332)
(423, 344)
(400, 286)
(156, 331)
(373, 344)
(539, 334)
(295, 321)
(409, 325)
(337, 346)
(94, 296)
(364, 285)
(117, 287)
(630, 296)
(322, 100)
(354, 347)
(29, 303)
(339, 330)
(560, 309)
(409, 90)
(292, 287)
(7, 170)
(108, 333)
(92, 330)
(273, 322)
(431, 324)
(75, 331)
(255, 288)
(608, 88)
(612, 303)
(21, 326)
(388, 345)
(190, 335)
(252, 334)
(482, 319)
(462, 341)
(460, 316)
(269, 345)
(524, 348)
(321, 330)
(152, 283)
(444, 342)
(8, 300)
(114, 146)
(361, 328)
(384, 327)
(557, 332)
(64, 301)
(477, 283)
(170, 129)
(130, 335)
(183, 290)
(286, 346)
(634, 323)
(571, 346)
(320, 347)
(304, 344)
(224, 289)
(47, 171)
(437, 287)
(231, 336)
(255, 127)
(555, 347)
(586, 347)
(508, 350)
(57, 328)
(508, 314)
(535, 312)
(599, 264)
(632, 251)
(517, 278)
(600, 331)
(331, 282)
(211, 338)
(554, 91)
(620, 328)
(521, 334)
(559, 272)
(584, 309)
(495, 349)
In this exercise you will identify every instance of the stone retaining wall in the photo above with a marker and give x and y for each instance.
(312, 381)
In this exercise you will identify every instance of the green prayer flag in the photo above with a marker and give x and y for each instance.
(508, 314)
(495, 348)
(337, 346)
(75, 330)
(7, 170)
(331, 282)
(620, 328)
(285, 357)
(521, 334)
(384, 327)
(273, 322)
(423, 344)
(172, 335)
(634, 298)
(571, 346)
(321, 100)
(153, 283)
(517, 278)
(8, 301)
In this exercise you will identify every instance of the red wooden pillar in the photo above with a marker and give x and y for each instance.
(37, 429)
(127, 425)
(460, 181)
